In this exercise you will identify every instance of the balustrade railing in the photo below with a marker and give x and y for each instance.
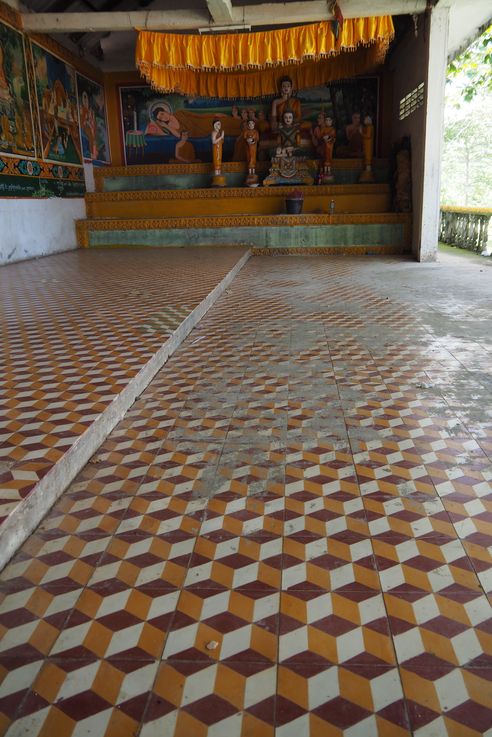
(466, 227)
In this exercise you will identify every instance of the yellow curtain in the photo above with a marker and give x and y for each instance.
(250, 64)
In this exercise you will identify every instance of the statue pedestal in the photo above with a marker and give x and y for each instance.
(252, 180)
(219, 180)
(288, 170)
(367, 176)
(327, 177)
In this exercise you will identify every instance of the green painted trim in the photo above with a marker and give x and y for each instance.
(200, 181)
(371, 234)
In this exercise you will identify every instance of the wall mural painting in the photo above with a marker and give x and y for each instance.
(161, 128)
(93, 124)
(16, 130)
(57, 105)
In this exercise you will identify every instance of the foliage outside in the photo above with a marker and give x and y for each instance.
(467, 153)
(472, 69)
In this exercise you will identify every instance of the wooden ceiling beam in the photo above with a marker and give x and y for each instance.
(221, 11)
(266, 14)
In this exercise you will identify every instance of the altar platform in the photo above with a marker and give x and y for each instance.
(174, 205)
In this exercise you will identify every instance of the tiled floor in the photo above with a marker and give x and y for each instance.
(75, 328)
(289, 534)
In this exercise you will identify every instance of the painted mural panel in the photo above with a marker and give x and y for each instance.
(92, 117)
(16, 129)
(57, 105)
(161, 128)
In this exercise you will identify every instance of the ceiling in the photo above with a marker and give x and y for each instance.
(115, 50)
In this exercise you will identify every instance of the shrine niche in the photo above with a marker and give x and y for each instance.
(169, 129)
(232, 128)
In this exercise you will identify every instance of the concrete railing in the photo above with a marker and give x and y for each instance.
(466, 227)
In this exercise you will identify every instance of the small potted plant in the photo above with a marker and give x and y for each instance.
(294, 202)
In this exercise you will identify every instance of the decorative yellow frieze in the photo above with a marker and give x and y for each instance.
(233, 193)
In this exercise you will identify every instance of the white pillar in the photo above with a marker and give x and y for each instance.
(427, 238)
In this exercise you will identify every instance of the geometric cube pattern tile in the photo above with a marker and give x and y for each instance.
(76, 328)
(288, 534)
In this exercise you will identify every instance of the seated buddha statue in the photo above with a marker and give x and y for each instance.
(284, 102)
(288, 164)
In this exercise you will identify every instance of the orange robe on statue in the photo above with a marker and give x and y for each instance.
(368, 143)
(217, 154)
(326, 146)
(292, 103)
(251, 138)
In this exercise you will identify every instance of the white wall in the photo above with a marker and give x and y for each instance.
(32, 227)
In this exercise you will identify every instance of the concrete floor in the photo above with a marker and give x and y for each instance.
(289, 532)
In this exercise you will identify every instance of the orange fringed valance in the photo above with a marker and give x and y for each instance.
(250, 64)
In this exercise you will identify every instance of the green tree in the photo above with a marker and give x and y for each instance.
(466, 175)
(467, 153)
(472, 69)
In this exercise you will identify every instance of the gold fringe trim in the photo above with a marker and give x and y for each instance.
(239, 66)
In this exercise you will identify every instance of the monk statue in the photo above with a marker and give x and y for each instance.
(217, 137)
(316, 133)
(262, 124)
(184, 151)
(251, 139)
(328, 137)
(353, 132)
(240, 148)
(367, 132)
(286, 100)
